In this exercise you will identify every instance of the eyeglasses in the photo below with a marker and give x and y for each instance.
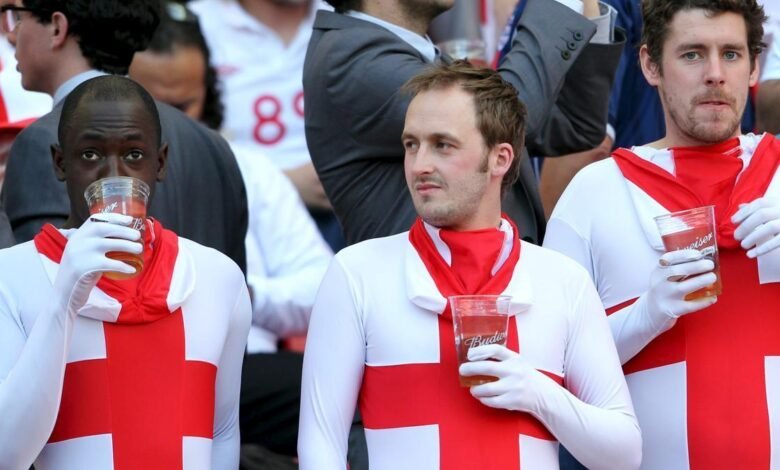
(12, 16)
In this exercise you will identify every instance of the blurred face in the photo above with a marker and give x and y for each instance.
(454, 179)
(178, 78)
(32, 52)
(704, 77)
(107, 138)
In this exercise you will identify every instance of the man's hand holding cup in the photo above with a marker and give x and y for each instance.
(84, 259)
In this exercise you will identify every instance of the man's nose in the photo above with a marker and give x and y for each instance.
(422, 162)
(113, 167)
(715, 70)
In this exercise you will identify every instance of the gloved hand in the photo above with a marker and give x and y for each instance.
(84, 259)
(758, 226)
(678, 274)
(518, 386)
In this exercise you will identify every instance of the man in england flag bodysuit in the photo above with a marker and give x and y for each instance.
(381, 329)
(704, 374)
(107, 374)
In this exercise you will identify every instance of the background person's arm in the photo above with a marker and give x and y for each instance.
(31, 193)
(227, 442)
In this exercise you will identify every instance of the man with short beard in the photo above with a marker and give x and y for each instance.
(382, 329)
(359, 57)
(703, 383)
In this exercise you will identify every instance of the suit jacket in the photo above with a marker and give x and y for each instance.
(355, 112)
(202, 197)
(6, 235)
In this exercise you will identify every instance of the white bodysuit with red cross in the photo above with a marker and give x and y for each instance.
(706, 391)
(377, 335)
(162, 394)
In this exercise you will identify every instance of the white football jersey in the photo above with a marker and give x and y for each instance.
(261, 80)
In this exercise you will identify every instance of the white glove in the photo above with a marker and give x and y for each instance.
(678, 274)
(518, 386)
(84, 259)
(758, 226)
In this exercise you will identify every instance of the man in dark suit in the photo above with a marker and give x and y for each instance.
(60, 44)
(359, 57)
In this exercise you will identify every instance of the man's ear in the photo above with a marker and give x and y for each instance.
(58, 160)
(59, 23)
(162, 159)
(755, 72)
(650, 69)
(504, 156)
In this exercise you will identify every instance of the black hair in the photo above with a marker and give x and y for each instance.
(109, 88)
(179, 27)
(109, 32)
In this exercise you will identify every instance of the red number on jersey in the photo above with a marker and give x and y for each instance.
(269, 129)
(298, 103)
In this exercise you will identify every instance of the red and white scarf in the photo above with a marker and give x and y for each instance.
(717, 168)
(143, 298)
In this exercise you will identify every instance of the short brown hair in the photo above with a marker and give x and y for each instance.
(657, 14)
(500, 114)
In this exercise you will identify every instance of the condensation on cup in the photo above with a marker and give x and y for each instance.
(478, 320)
(693, 229)
(121, 195)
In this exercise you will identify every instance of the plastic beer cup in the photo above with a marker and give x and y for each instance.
(693, 229)
(478, 320)
(121, 195)
(473, 50)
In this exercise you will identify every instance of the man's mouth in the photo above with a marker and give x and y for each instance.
(426, 187)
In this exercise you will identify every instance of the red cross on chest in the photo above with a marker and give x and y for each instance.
(145, 394)
(470, 433)
(724, 348)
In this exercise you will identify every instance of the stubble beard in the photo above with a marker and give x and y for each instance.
(712, 130)
(423, 9)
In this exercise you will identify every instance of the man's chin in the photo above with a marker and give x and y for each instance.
(716, 132)
(433, 217)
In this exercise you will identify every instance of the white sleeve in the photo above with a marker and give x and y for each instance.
(632, 328)
(286, 255)
(560, 236)
(227, 442)
(333, 366)
(592, 417)
(32, 369)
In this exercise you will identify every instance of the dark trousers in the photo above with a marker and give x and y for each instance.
(271, 400)
(270, 406)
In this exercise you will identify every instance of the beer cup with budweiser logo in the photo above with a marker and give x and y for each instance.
(693, 229)
(478, 320)
(121, 195)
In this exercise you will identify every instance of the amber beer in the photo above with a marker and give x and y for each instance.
(121, 195)
(693, 229)
(478, 320)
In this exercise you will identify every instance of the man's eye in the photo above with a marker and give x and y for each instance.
(89, 155)
(443, 145)
(135, 155)
(409, 145)
(730, 55)
(691, 55)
